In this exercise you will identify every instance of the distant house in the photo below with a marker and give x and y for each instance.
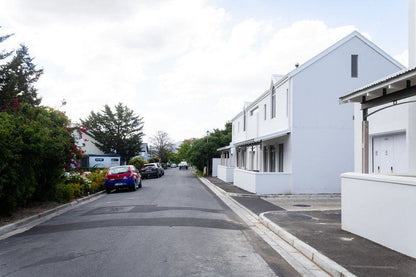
(85, 140)
(295, 138)
(144, 152)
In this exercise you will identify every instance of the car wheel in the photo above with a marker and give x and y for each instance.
(108, 190)
(140, 184)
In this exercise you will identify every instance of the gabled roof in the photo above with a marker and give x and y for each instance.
(279, 79)
(330, 49)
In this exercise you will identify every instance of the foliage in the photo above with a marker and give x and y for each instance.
(17, 78)
(161, 146)
(64, 193)
(138, 162)
(77, 185)
(36, 144)
(153, 160)
(118, 131)
(204, 149)
(184, 150)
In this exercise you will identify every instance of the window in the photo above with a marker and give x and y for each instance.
(253, 111)
(265, 111)
(99, 159)
(287, 102)
(244, 121)
(281, 157)
(354, 66)
(265, 159)
(272, 158)
(273, 104)
(114, 160)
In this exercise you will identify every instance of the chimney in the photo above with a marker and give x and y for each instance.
(412, 33)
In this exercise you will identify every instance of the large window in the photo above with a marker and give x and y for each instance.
(265, 159)
(272, 157)
(281, 157)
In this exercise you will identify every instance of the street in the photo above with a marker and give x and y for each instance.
(173, 226)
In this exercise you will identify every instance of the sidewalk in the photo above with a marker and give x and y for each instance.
(316, 221)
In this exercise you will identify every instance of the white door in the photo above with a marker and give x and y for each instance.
(389, 154)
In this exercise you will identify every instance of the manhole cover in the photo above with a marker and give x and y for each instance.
(301, 205)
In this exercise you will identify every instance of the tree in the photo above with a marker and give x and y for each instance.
(138, 162)
(161, 146)
(36, 145)
(118, 131)
(184, 149)
(17, 79)
(204, 149)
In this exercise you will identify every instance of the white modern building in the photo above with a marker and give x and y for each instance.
(295, 138)
(86, 142)
(379, 198)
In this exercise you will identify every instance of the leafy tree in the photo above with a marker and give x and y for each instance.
(204, 149)
(36, 144)
(118, 131)
(184, 149)
(138, 162)
(161, 146)
(17, 78)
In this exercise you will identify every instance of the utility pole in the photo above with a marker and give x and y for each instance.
(207, 154)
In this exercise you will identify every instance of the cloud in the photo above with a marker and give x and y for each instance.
(184, 66)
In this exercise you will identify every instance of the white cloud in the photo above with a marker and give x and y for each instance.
(182, 65)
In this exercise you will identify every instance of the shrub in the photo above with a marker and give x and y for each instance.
(97, 179)
(64, 193)
(137, 162)
(36, 144)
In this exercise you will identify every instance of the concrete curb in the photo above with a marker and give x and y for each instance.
(311, 253)
(36, 219)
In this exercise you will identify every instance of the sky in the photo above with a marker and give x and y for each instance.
(185, 66)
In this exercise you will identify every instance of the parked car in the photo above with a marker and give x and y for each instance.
(173, 165)
(183, 165)
(125, 176)
(152, 169)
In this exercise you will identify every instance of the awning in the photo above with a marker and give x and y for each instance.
(397, 86)
(272, 135)
(224, 148)
(249, 142)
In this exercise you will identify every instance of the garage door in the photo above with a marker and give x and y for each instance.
(389, 154)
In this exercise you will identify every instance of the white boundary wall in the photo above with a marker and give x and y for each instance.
(381, 208)
(225, 173)
(215, 163)
(263, 182)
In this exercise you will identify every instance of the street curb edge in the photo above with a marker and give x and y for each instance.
(4, 230)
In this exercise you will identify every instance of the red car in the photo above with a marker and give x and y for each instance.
(125, 176)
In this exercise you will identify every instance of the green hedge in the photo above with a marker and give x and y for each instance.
(35, 144)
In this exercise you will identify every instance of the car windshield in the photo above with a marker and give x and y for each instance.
(147, 165)
(118, 170)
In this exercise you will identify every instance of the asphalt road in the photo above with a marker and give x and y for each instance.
(173, 226)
